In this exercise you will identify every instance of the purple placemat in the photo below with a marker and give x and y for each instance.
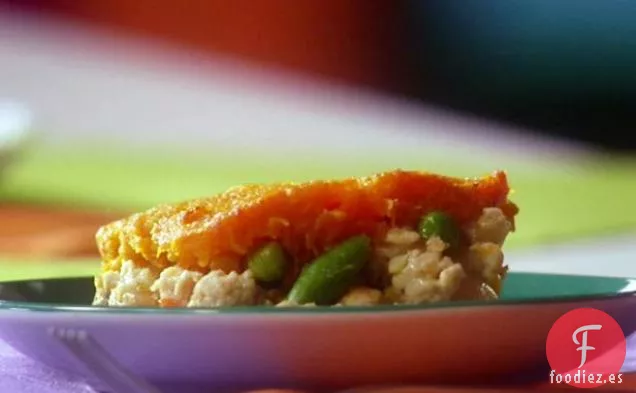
(630, 361)
(20, 374)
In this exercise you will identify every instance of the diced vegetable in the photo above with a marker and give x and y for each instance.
(442, 225)
(325, 280)
(269, 263)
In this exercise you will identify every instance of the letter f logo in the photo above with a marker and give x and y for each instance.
(583, 344)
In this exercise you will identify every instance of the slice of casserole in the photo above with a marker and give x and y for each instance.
(399, 237)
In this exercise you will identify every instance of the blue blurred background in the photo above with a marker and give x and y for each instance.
(562, 67)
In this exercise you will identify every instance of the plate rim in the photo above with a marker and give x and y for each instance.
(46, 308)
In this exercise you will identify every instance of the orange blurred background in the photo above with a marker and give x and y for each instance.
(352, 41)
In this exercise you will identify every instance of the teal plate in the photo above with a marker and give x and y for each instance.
(76, 294)
(197, 350)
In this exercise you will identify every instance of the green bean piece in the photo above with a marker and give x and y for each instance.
(442, 225)
(326, 279)
(268, 263)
